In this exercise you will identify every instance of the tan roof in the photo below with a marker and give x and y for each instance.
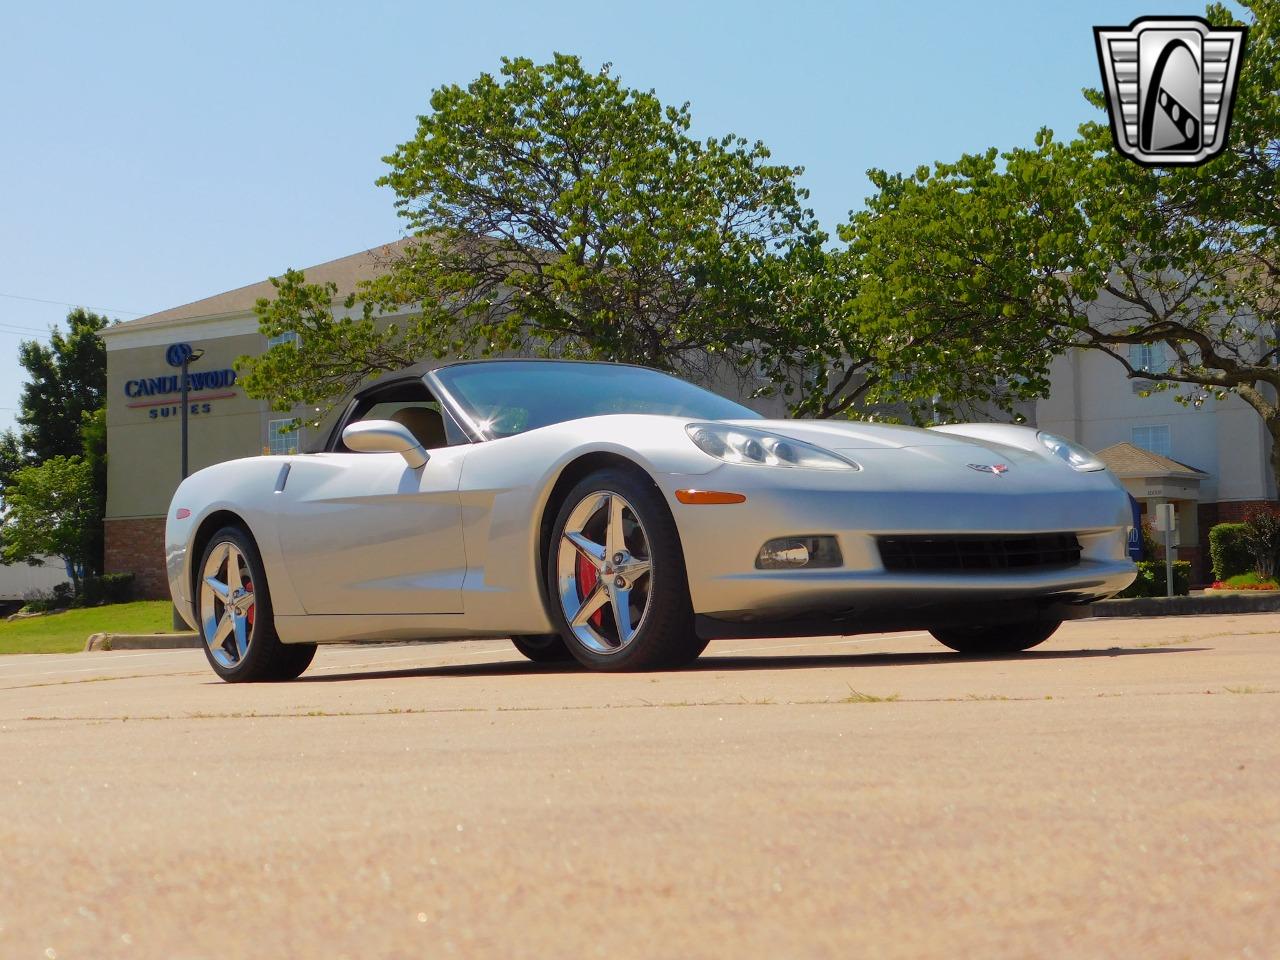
(1126, 460)
(346, 272)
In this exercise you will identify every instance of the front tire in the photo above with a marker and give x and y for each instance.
(616, 577)
(988, 641)
(543, 648)
(233, 604)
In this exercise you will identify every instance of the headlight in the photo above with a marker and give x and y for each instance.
(1073, 453)
(734, 444)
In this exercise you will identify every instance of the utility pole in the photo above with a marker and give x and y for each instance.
(187, 360)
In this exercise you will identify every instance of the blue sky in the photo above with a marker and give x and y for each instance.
(154, 154)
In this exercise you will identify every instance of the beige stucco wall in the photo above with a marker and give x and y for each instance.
(144, 459)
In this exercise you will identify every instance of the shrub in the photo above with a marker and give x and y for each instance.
(1151, 579)
(1228, 551)
(116, 587)
(37, 601)
(108, 588)
(1262, 537)
(62, 596)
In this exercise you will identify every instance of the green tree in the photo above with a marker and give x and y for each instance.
(50, 511)
(556, 211)
(62, 411)
(66, 378)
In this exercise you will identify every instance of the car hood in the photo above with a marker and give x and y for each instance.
(911, 457)
(851, 435)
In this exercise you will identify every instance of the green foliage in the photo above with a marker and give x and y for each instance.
(336, 351)
(66, 379)
(1261, 536)
(51, 512)
(1228, 551)
(1152, 579)
(63, 413)
(557, 212)
(1250, 581)
(108, 588)
(949, 301)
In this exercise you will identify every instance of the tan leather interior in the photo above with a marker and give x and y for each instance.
(424, 423)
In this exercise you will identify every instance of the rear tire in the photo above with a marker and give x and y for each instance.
(233, 605)
(1010, 638)
(543, 648)
(615, 543)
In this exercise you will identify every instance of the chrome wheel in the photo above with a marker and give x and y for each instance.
(227, 604)
(603, 561)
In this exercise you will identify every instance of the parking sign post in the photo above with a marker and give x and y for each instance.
(1166, 521)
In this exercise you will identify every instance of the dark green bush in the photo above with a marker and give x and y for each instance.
(1228, 551)
(1262, 537)
(108, 588)
(116, 587)
(1151, 579)
(62, 596)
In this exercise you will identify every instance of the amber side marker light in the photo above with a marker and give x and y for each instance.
(710, 496)
(182, 513)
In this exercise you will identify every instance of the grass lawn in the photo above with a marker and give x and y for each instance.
(66, 632)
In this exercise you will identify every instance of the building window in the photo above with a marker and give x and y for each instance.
(283, 436)
(1148, 357)
(1155, 439)
(289, 337)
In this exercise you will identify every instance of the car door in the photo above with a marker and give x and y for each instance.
(364, 533)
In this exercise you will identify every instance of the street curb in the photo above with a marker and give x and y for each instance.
(142, 641)
(1184, 606)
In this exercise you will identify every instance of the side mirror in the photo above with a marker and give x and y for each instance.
(385, 436)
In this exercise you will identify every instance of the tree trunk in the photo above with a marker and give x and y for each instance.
(1273, 429)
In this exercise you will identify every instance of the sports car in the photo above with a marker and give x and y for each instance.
(621, 517)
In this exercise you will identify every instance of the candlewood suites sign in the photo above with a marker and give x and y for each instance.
(161, 396)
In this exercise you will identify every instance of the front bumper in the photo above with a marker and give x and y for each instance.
(721, 543)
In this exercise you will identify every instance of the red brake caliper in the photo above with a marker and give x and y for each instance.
(248, 614)
(587, 578)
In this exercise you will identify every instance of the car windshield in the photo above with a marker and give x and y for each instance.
(504, 398)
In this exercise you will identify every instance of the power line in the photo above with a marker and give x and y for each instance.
(26, 333)
(22, 326)
(63, 303)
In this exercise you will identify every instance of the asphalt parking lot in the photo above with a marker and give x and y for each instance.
(1114, 793)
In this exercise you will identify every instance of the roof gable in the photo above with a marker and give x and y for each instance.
(1127, 460)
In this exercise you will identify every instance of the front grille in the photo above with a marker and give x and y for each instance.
(964, 554)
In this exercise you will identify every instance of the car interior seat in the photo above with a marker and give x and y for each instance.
(425, 424)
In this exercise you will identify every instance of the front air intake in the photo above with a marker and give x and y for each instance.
(950, 553)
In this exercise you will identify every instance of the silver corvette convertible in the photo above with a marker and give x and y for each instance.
(620, 517)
